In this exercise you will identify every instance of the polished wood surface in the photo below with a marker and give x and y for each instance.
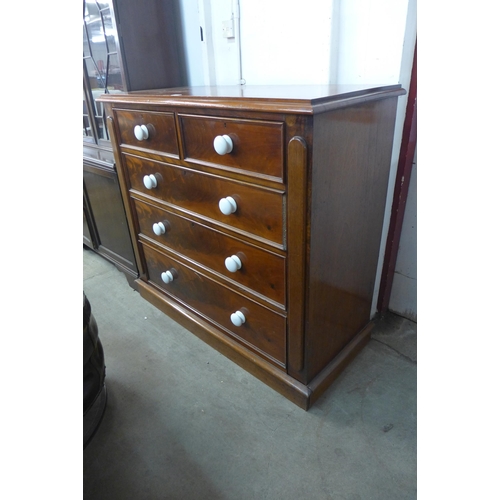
(262, 272)
(161, 127)
(259, 213)
(310, 232)
(258, 366)
(297, 238)
(349, 203)
(147, 40)
(257, 145)
(106, 226)
(296, 99)
(150, 42)
(263, 329)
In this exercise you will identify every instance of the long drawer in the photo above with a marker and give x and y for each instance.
(259, 211)
(257, 145)
(263, 329)
(261, 271)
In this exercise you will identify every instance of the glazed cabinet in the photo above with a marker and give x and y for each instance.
(127, 45)
(256, 217)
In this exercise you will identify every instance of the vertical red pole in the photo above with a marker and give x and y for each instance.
(405, 163)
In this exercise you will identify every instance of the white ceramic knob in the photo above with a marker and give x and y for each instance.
(223, 144)
(227, 205)
(159, 228)
(150, 181)
(167, 277)
(141, 132)
(238, 318)
(233, 263)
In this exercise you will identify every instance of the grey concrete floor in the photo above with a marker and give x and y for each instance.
(184, 422)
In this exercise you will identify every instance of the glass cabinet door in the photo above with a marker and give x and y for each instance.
(102, 72)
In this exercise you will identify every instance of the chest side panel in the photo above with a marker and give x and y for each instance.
(351, 162)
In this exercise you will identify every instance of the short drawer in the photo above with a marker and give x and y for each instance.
(263, 329)
(261, 271)
(259, 211)
(257, 146)
(161, 132)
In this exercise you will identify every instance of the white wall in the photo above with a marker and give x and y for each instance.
(371, 40)
(306, 42)
(298, 42)
(405, 67)
(286, 42)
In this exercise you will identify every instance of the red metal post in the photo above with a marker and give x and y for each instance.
(406, 156)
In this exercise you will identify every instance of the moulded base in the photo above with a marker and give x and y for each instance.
(302, 395)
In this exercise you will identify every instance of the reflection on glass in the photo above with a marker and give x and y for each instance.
(101, 63)
(87, 128)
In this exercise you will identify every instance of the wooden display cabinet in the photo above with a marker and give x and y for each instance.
(127, 45)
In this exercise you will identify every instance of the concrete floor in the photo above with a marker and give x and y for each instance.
(184, 422)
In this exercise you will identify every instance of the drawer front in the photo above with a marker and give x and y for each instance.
(261, 271)
(259, 211)
(162, 135)
(257, 145)
(263, 329)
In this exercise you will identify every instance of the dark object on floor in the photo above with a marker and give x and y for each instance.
(94, 373)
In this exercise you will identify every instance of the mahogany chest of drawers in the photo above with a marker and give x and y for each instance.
(256, 216)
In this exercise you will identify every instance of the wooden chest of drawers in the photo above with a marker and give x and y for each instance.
(256, 216)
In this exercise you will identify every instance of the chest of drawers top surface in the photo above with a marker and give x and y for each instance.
(301, 99)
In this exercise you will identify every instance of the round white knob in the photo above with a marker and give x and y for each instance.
(233, 263)
(141, 132)
(150, 181)
(223, 144)
(167, 277)
(159, 228)
(227, 205)
(238, 318)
